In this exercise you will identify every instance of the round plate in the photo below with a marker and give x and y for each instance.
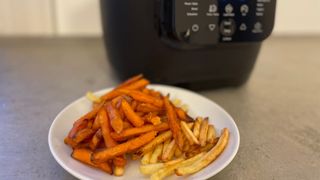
(198, 106)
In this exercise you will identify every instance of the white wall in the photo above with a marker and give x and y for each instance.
(81, 17)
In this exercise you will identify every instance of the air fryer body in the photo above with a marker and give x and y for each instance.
(145, 37)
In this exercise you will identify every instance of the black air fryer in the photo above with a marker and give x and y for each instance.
(192, 43)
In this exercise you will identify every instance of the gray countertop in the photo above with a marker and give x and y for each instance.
(277, 110)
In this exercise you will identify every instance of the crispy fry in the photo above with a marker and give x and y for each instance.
(141, 97)
(130, 81)
(169, 151)
(95, 140)
(84, 155)
(196, 127)
(182, 115)
(152, 168)
(106, 129)
(203, 132)
(70, 142)
(136, 131)
(211, 135)
(168, 170)
(156, 154)
(174, 123)
(158, 140)
(188, 133)
(140, 84)
(129, 146)
(115, 120)
(83, 134)
(131, 115)
(116, 102)
(146, 158)
(96, 123)
(207, 147)
(165, 145)
(119, 161)
(118, 170)
(178, 153)
(208, 157)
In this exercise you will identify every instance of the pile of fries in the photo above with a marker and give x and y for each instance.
(132, 120)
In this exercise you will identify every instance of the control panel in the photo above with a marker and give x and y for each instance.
(208, 22)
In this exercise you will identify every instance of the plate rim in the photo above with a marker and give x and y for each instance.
(77, 175)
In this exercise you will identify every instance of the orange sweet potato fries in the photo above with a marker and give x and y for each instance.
(134, 120)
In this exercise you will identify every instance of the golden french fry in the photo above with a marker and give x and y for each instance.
(208, 157)
(118, 170)
(165, 145)
(151, 168)
(178, 153)
(156, 154)
(203, 132)
(211, 135)
(169, 151)
(92, 97)
(168, 170)
(186, 146)
(188, 133)
(190, 125)
(196, 127)
(146, 158)
(158, 140)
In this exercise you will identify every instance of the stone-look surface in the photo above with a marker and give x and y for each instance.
(277, 111)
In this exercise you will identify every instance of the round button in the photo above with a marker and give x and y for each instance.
(227, 27)
(195, 28)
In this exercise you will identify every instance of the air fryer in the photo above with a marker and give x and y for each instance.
(192, 43)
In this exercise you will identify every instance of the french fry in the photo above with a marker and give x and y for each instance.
(158, 140)
(169, 151)
(138, 130)
(118, 170)
(93, 97)
(141, 97)
(178, 153)
(83, 134)
(203, 132)
(188, 133)
(120, 149)
(146, 158)
(156, 154)
(174, 123)
(208, 157)
(211, 135)
(95, 140)
(151, 168)
(207, 147)
(131, 115)
(168, 170)
(84, 156)
(146, 108)
(196, 127)
(115, 120)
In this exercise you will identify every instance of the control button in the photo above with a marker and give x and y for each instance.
(212, 27)
(195, 28)
(244, 9)
(257, 28)
(212, 8)
(228, 9)
(243, 27)
(227, 27)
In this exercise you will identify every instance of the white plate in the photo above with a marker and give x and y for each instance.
(198, 106)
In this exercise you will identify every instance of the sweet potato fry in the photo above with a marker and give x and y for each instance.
(158, 140)
(81, 123)
(156, 154)
(95, 140)
(203, 132)
(146, 108)
(129, 146)
(115, 120)
(106, 129)
(84, 156)
(126, 125)
(140, 84)
(174, 123)
(134, 105)
(182, 115)
(130, 81)
(136, 131)
(188, 133)
(208, 157)
(83, 134)
(96, 124)
(131, 115)
(141, 97)
(70, 142)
